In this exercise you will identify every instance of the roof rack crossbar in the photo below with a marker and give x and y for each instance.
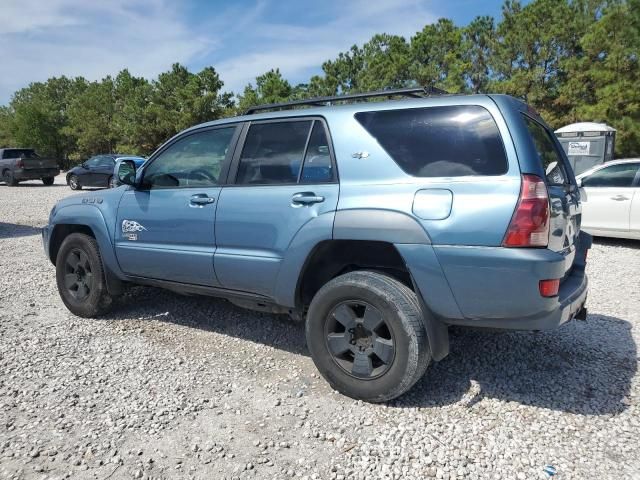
(416, 92)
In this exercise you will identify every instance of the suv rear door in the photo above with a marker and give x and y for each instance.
(283, 177)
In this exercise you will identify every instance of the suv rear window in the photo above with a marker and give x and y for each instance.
(449, 141)
(19, 152)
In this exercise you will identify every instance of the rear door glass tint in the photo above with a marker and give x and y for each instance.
(273, 153)
(317, 161)
(449, 141)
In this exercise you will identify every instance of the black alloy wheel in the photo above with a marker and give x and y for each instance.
(78, 278)
(359, 339)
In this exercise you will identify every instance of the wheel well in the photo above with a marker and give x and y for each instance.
(60, 232)
(336, 257)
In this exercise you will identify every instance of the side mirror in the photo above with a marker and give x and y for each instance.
(125, 172)
(579, 182)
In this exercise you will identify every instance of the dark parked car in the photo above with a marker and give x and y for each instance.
(18, 164)
(97, 171)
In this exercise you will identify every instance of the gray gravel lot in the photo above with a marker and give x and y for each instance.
(184, 387)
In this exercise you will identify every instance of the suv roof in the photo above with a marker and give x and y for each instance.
(351, 108)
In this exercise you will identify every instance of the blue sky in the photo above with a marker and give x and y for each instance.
(241, 39)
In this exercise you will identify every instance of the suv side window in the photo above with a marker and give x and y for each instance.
(620, 175)
(317, 166)
(192, 161)
(547, 152)
(273, 153)
(449, 141)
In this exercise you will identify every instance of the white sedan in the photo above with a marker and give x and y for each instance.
(611, 199)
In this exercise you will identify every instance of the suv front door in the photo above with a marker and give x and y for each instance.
(283, 177)
(166, 227)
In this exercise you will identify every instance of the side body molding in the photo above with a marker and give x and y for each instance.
(378, 225)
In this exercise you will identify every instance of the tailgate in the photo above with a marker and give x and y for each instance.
(564, 197)
(39, 163)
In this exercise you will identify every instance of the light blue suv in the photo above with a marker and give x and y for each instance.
(379, 224)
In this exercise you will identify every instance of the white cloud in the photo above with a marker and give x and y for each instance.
(299, 50)
(91, 39)
(95, 38)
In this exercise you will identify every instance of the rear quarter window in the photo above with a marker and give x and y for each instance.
(548, 154)
(449, 141)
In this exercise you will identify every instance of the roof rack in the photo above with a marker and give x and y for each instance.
(416, 92)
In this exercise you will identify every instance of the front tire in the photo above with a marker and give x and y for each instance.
(80, 277)
(74, 183)
(48, 180)
(366, 336)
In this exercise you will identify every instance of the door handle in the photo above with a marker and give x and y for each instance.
(619, 198)
(201, 199)
(306, 198)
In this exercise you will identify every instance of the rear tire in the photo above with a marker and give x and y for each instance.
(9, 179)
(366, 336)
(74, 183)
(48, 180)
(80, 277)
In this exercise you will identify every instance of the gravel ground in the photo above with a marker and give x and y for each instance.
(183, 387)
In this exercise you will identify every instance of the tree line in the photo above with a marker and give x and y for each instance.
(573, 60)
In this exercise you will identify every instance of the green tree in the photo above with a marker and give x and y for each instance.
(385, 63)
(40, 115)
(603, 83)
(90, 119)
(270, 87)
(6, 119)
(531, 45)
(181, 99)
(436, 54)
(478, 43)
(132, 120)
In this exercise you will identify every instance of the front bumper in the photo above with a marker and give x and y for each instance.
(46, 236)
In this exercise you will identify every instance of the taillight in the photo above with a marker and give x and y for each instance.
(549, 288)
(529, 225)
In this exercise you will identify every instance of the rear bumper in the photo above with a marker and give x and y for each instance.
(547, 313)
(496, 287)
(35, 173)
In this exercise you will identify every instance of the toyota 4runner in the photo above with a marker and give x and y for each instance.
(379, 224)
